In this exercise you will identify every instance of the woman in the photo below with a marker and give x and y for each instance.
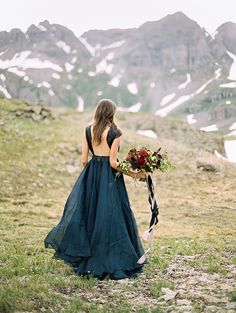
(97, 233)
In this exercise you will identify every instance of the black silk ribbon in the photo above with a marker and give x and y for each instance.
(149, 234)
(153, 201)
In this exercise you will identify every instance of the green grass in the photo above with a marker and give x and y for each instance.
(233, 296)
(156, 288)
(196, 220)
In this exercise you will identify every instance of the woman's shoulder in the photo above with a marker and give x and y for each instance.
(116, 131)
(87, 127)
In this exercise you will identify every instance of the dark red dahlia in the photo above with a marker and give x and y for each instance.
(141, 161)
(143, 153)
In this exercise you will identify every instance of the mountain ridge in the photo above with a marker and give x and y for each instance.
(171, 66)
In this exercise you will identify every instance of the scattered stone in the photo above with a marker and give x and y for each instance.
(211, 299)
(36, 112)
(168, 294)
(231, 305)
(206, 165)
(183, 302)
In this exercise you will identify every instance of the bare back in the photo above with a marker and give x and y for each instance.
(102, 149)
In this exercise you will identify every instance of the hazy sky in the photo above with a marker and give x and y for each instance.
(81, 16)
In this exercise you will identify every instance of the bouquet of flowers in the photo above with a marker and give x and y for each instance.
(145, 160)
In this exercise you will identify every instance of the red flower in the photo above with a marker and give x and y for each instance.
(128, 158)
(141, 161)
(143, 153)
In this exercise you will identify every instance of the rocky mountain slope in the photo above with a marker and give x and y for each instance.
(169, 67)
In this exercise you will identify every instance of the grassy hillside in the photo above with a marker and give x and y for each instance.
(192, 264)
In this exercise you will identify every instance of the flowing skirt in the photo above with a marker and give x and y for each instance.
(97, 233)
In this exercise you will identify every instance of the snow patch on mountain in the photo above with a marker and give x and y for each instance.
(56, 76)
(233, 126)
(167, 99)
(17, 60)
(42, 28)
(69, 67)
(132, 87)
(103, 66)
(110, 56)
(133, 108)
(232, 71)
(15, 70)
(3, 52)
(186, 83)
(51, 92)
(136, 107)
(44, 84)
(74, 59)
(190, 119)
(5, 92)
(230, 149)
(148, 133)
(115, 81)
(80, 104)
(62, 45)
(115, 44)
(228, 85)
(163, 112)
(232, 133)
(39, 64)
(217, 73)
(209, 128)
(90, 48)
(91, 74)
(21, 60)
(2, 77)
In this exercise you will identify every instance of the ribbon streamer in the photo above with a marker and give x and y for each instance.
(149, 233)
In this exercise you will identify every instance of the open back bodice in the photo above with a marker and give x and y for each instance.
(103, 149)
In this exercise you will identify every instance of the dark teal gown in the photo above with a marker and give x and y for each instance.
(97, 234)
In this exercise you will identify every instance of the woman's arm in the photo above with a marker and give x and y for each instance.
(114, 163)
(85, 149)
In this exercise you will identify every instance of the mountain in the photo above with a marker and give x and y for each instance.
(169, 67)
